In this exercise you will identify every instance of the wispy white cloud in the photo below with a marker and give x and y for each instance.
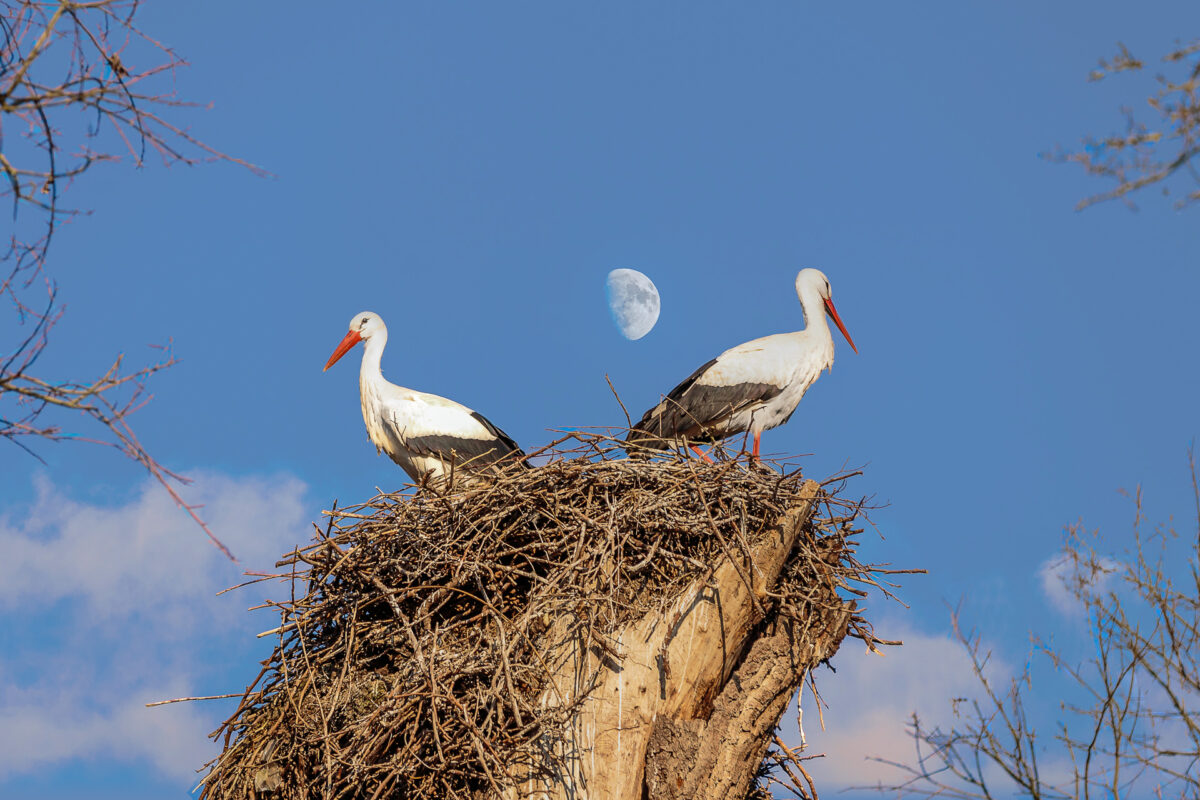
(48, 724)
(1052, 575)
(113, 607)
(871, 698)
(1058, 578)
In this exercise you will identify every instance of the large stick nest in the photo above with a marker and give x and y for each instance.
(409, 659)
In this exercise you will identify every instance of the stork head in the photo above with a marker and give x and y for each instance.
(813, 283)
(363, 326)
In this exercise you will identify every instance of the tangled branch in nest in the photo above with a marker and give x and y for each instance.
(413, 655)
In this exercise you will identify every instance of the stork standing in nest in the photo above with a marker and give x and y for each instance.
(427, 435)
(752, 387)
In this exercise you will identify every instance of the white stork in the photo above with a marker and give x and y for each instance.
(752, 387)
(427, 435)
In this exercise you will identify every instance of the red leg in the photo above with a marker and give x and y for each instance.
(701, 453)
(757, 436)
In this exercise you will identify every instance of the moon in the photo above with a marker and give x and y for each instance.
(633, 301)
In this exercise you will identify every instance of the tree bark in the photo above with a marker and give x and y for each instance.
(685, 701)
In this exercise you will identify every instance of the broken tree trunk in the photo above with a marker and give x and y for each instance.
(598, 627)
(683, 702)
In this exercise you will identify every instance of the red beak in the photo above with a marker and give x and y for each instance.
(349, 340)
(833, 313)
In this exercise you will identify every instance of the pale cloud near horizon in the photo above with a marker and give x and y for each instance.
(871, 698)
(123, 599)
(116, 606)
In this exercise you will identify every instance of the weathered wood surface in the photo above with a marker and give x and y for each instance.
(684, 703)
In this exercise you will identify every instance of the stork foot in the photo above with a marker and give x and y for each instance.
(701, 453)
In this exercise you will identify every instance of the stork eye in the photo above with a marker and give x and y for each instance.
(363, 324)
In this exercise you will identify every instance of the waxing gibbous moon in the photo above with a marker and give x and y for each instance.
(633, 301)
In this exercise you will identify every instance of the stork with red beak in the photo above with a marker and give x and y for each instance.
(429, 436)
(752, 387)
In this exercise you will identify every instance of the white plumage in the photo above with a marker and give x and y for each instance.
(751, 387)
(427, 435)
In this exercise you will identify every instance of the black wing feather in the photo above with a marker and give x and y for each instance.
(470, 452)
(698, 411)
(510, 444)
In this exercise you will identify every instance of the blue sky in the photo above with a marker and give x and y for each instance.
(472, 172)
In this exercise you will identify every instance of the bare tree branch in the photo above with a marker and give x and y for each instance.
(1152, 151)
(80, 85)
(1135, 732)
